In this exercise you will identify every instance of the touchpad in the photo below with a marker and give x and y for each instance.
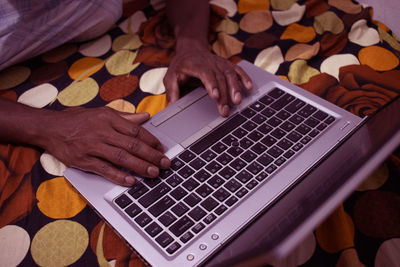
(190, 120)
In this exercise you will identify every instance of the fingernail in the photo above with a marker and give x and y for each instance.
(165, 162)
(130, 180)
(238, 97)
(215, 93)
(249, 84)
(225, 110)
(152, 171)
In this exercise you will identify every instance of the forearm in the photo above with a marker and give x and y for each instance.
(189, 20)
(22, 124)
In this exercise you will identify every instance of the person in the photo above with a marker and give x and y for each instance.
(118, 139)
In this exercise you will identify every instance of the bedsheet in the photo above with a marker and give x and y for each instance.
(332, 48)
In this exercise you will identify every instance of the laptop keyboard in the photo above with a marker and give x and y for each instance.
(215, 173)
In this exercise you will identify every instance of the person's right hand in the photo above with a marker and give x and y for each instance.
(101, 140)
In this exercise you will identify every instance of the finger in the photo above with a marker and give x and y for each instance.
(136, 131)
(137, 118)
(107, 170)
(121, 158)
(140, 150)
(245, 79)
(171, 87)
(235, 90)
(223, 102)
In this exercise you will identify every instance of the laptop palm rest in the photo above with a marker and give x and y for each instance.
(182, 125)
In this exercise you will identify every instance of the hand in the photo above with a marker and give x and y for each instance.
(101, 140)
(224, 81)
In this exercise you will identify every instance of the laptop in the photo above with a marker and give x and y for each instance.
(225, 172)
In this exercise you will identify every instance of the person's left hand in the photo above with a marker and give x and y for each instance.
(224, 81)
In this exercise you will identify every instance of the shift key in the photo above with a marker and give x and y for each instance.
(155, 194)
(181, 226)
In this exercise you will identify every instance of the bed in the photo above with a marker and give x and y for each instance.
(332, 48)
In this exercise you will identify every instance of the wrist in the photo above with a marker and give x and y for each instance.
(184, 44)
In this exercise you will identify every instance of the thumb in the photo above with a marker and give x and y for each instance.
(171, 87)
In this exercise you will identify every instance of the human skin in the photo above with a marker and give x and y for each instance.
(102, 140)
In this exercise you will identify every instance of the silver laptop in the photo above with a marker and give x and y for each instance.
(225, 171)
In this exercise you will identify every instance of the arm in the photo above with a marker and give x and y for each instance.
(95, 139)
(224, 81)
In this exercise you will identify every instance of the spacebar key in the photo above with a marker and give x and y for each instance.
(181, 226)
(218, 133)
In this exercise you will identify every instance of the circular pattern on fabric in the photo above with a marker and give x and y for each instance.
(349, 257)
(286, 17)
(121, 62)
(132, 24)
(299, 33)
(300, 255)
(388, 253)
(229, 5)
(14, 245)
(332, 64)
(336, 232)
(85, 67)
(39, 96)
(376, 179)
(152, 104)
(378, 58)
(13, 76)
(60, 53)
(152, 81)
(346, 6)
(377, 214)
(270, 59)
(363, 35)
(78, 93)
(118, 87)
(127, 42)
(256, 21)
(302, 51)
(57, 199)
(300, 72)
(59, 243)
(245, 6)
(282, 4)
(49, 72)
(228, 26)
(96, 48)
(226, 45)
(328, 21)
(52, 165)
(122, 106)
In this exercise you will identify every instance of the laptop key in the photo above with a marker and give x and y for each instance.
(174, 180)
(215, 181)
(209, 218)
(232, 185)
(320, 115)
(197, 213)
(245, 143)
(192, 199)
(278, 133)
(268, 112)
(254, 168)
(288, 154)
(221, 194)
(190, 184)
(153, 229)
(221, 209)
(213, 166)
(257, 106)
(249, 126)
(280, 161)
(219, 147)
(268, 140)
(229, 139)
(285, 144)
(136, 187)
(307, 111)
(173, 248)
(238, 164)
(282, 102)
(312, 122)
(143, 219)
(252, 184)
(258, 148)
(264, 159)
(179, 209)
(197, 164)
(209, 204)
(305, 140)
(167, 218)
(264, 128)
(248, 156)
(133, 210)
(274, 121)
(297, 147)
(244, 176)
(186, 237)
(303, 129)
(178, 193)
(227, 173)
(283, 115)
(248, 112)
(329, 120)
(165, 173)
(255, 135)
(295, 105)
(313, 133)
(296, 119)
(208, 155)
(294, 136)
(242, 192)
(202, 175)
(164, 239)
(187, 156)
(151, 182)
(235, 151)
(123, 201)
(259, 119)
(275, 151)
(276, 93)
(181, 226)
(322, 126)
(204, 190)
(154, 195)
(231, 201)
(224, 158)
(239, 133)
(185, 172)
(271, 168)
(176, 164)
(287, 126)
(261, 176)
(198, 227)
(266, 100)
(161, 206)
(228, 126)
